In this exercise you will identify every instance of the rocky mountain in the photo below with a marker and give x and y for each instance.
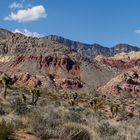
(4, 34)
(47, 63)
(58, 63)
(92, 50)
(87, 50)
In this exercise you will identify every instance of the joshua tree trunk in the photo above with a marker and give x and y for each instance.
(33, 97)
(5, 91)
(23, 98)
(36, 100)
(5, 81)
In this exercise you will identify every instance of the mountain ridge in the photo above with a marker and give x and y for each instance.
(87, 50)
(92, 50)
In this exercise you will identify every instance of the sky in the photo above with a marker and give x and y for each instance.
(107, 22)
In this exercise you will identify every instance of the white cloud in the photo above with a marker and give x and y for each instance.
(15, 5)
(26, 15)
(28, 33)
(137, 31)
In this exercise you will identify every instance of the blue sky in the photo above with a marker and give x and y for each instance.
(107, 22)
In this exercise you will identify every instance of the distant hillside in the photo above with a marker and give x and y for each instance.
(87, 50)
(92, 50)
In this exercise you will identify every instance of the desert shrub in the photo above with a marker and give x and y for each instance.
(2, 112)
(6, 130)
(127, 95)
(23, 90)
(74, 131)
(53, 97)
(36, 124)
(74, 115)
(124, 115)
(44, 126)
(100, 116)
(96, 103)
(17, 122)
(106, 130)
(19, 107)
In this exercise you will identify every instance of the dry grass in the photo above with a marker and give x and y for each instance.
(76, 131)
(53, 118)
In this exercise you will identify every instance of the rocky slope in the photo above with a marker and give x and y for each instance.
(129, 80)
(122, 61)
(46, 63)
(4, 34)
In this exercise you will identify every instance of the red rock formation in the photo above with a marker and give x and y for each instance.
(128, 82)
(61, 70)
(121, 61)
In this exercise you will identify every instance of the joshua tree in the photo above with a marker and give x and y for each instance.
(71, 102)
(22, 91)
(75, 95)
(23, 97)
(5, 81)
(35, 95)
(65, 95)
(96, 103)
(114, 110)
